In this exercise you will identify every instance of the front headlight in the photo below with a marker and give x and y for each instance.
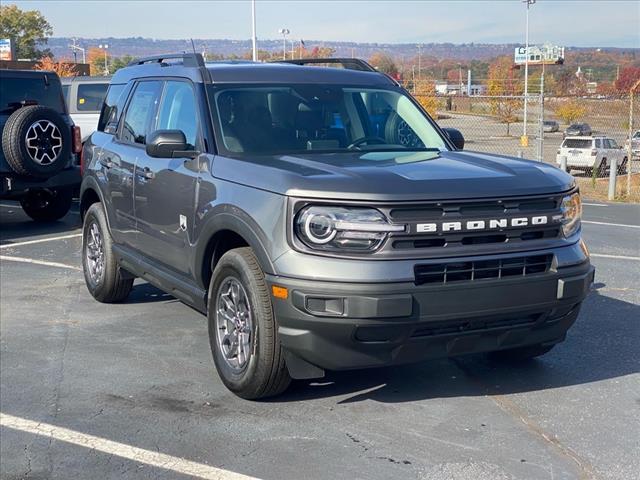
(571, 208)
(343, 229)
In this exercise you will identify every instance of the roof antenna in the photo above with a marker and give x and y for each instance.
(193, 45)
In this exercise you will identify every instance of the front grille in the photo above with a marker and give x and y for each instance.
(443, 273)
(462, 211)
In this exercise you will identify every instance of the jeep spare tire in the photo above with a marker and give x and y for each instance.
(36, 141)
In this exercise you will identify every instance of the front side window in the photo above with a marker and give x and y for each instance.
(91, 96)
(319, 118)
(141, 112)
(178, 110)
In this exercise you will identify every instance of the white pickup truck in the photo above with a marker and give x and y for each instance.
(589, 153)
(84, 97)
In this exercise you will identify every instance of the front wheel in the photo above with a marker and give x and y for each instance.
(47, 205)
(242, 329)
(105, 280)
(520, 354)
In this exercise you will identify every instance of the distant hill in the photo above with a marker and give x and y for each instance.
(138, 46)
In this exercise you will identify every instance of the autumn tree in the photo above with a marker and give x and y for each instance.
(63, 68)
(501, 84)
(425, 94)
(628, 77)
(28, 29)
(384, 63)
(98, 63)
(570, 111)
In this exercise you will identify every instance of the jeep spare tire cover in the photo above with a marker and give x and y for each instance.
(36, 141)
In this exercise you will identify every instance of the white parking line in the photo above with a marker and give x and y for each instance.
(611, 224)
(135, 454)
(595, 204)
(619, 257)
(40, 240)
(39, 262)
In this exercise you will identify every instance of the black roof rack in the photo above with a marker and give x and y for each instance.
(348, 63)
(188, 59)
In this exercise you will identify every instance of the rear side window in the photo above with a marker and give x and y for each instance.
(91, 96)
(576, 143)
(111, 109)
(15, 90)
(141, 112)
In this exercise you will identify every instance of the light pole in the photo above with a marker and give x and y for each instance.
(106, 66)
(526, 68)
(284, 32)
(75, 49)
(253, 30)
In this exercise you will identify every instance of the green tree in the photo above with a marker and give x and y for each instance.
(119, 62)
(28, 29)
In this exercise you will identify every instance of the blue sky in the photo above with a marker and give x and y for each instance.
(607, 23)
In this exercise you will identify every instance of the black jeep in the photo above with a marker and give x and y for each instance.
(40, 144)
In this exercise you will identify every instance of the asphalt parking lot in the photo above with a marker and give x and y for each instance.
(129, 391)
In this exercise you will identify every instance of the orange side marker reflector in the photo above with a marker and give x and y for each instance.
(279, 292)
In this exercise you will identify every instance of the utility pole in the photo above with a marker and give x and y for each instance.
(253, 30)
(526, 70)
(419, 61)
(75, 48)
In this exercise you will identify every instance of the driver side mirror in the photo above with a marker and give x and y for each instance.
(455, 136)
(169, 144)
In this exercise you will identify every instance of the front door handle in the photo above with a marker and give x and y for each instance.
(146, 172)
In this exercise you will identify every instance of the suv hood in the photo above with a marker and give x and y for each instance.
(394, 176)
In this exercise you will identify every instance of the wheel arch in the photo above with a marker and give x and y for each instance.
(222, 233)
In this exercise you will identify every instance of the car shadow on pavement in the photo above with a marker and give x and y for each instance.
(146, 293)
(15, 223)
(602, 345)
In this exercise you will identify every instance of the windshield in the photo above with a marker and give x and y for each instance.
(319, 118)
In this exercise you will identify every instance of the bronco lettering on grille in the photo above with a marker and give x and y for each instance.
(480, 225)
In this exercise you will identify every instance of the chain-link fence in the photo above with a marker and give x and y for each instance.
(495, 124)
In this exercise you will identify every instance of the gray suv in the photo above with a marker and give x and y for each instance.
(322, 221)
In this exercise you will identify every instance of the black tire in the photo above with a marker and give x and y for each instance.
(264, 373)
(51, 141)
(602, 168)
(114, 284)
(622, 169)
(47, 205)
(520, 354)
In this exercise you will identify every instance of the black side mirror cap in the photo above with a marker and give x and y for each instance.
(169, 144)
(455, 136)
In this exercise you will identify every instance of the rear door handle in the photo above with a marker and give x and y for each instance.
(146, 172)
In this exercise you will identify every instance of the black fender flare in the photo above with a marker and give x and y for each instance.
(239, 223)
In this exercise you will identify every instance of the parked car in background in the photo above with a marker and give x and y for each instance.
(587, 153)
(550, 126)
(635, 145)
(84, 97)
(578, 129)
(39, 144)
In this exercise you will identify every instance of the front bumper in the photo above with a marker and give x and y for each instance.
(338, 325)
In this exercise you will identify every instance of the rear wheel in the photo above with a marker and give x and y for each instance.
(47, 205)
(242, 329)
(602, 168)
(622, 168)
(105, 280)
(520, 354)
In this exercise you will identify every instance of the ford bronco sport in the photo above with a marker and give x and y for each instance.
(39, 144)
(322, 220)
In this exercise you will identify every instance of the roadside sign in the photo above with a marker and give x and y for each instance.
(6, 51)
